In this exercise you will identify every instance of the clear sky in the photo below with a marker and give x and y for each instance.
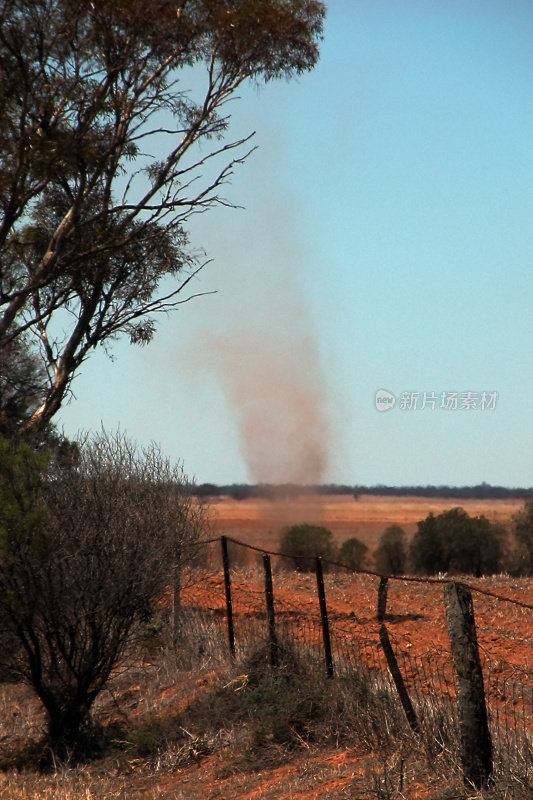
(386, 243)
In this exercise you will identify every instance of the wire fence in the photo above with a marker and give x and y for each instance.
(226, 603)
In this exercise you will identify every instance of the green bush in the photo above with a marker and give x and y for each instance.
(282, 709)
(522, 529)
(273, 712)
(456, 543)
(353, 553)
(147, 738)
(391, 553)
(302, 543)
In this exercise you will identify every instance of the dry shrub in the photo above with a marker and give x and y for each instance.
(86, 550)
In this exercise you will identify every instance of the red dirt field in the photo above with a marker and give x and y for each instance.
(416, 620)
(415, 614)
(259, 522)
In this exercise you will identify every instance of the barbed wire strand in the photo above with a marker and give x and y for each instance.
(374, 574)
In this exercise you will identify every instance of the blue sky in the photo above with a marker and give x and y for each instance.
(386, 243)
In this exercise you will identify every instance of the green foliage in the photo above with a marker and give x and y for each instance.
(147, 738)
(93, 238)
(22, 509)
(24, 538)
(272, 712)
(522, 529)
(455, 543)
(391, 553)
(353, 553)
(276, 710)
(22, 384)
(303, 543)
(281, 710)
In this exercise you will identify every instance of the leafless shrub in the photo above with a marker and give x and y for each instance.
(73, 597)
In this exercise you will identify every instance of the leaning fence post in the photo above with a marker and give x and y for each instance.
(476, 743)
(401, 688)
(269, 597)
(324, 616)
(227, 587)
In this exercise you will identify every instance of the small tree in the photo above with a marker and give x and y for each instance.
(522, 529)
(454, 542)
(303, 543)
(87, 545)
(353, 553)
(391, 552)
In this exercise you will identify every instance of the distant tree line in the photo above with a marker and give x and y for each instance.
(449, 543)
(480, 491)
(242, 491)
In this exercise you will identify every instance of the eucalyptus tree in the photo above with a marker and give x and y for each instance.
(113, 132)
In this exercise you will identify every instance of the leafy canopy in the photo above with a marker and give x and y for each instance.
(454, 542)
(522, 528)
(109, 142)
(301, 544)
(353, 553)
(391, 553)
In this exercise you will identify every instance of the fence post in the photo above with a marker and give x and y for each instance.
(324, 616)
(382, 598)
(476, 743)
(176, 602)
(227, 587)
(401, 688)
(269, 597)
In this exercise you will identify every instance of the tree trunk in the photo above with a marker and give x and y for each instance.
(69, 732)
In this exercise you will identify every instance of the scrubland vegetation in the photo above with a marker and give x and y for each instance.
(93, 537)
(90, 537)
(104, 690)
(172, 729)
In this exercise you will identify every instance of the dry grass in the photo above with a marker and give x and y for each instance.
(241, 730)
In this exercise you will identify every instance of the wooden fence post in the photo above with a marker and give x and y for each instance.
(269, 597)
(382, 598)
(401, 688)
(227, 587)
(176, 603)
(324, 616)
(476, 743)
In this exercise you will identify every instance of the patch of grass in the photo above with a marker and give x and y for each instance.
(273, 713)
(149, 737)
(282, 712)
